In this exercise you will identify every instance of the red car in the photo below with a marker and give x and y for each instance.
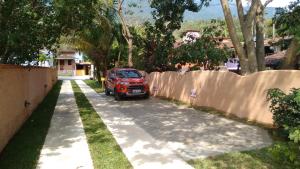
(126, 82)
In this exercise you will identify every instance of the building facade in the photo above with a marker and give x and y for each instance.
(68, 65)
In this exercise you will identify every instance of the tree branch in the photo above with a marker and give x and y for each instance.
(252, 11)
(267, 3)
(240, 10)
(125, 31)
(241, 53)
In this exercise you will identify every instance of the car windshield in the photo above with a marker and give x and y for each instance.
(128, 74)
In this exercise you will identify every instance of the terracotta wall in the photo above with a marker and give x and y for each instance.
(242, 96)
(17, 85)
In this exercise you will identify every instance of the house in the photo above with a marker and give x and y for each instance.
(83, 68)
(66, 65)
(69, 65)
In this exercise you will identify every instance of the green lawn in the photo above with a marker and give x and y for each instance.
(24, 149)
(95, 85)
(105, 151)
(255, 159)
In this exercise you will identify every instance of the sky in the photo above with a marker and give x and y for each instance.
(278, 3)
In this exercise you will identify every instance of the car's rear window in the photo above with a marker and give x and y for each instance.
(128, 74)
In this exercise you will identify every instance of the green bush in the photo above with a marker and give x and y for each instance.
(285, 107)
(286, 153)
(286, 115)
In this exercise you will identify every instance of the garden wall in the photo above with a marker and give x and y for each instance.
(241, 96)
(19, 85)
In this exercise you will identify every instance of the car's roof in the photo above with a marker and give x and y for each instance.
(123, 69)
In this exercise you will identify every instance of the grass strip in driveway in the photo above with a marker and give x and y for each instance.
(254, 159)
(95, 85)
(23, 151)
(105, 151)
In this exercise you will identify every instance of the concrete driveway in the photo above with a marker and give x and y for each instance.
(74, 77)
(188, 132)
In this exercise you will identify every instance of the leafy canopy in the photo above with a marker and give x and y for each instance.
(27, 26)
(287, 20)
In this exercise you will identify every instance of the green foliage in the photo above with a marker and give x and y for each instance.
(285, 107)
(95, 85)
(253, 159)
(286, 110)
(216, 28)
(74, 15)
(152, 48)
(286, 153)
(203, 50)
(96, 38)
(287, 20)
(22, 22)
(207, 49)
(168, 16)
(27, 26)
(294, 134)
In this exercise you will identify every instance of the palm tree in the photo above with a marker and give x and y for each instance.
(95, 40)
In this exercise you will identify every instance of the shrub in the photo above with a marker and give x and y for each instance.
(286, 115)
(286, 153)
(285, 107)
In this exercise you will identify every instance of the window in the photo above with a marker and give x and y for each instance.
(69, 62)
(128, 74)
(62, 62)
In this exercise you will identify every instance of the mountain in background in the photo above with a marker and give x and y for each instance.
(141, 12)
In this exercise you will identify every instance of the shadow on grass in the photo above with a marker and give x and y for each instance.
(105, 151)
(23, 150)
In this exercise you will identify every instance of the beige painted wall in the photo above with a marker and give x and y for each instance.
(17, 85)
(242, 96)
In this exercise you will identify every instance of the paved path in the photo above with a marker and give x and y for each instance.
(74, 77)
(158, 134)
(65, 146)
(190, 133)
(141, 149)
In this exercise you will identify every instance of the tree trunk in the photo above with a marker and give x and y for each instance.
(233, 35)
(130, 49)
(4, 55)
(126, 33)
(250, 48)
(247, 22)
(98, 70)
(260, 46)
(291, 55)
(118, 61)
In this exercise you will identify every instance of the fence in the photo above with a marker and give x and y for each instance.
(241, 96)
(21, 91)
